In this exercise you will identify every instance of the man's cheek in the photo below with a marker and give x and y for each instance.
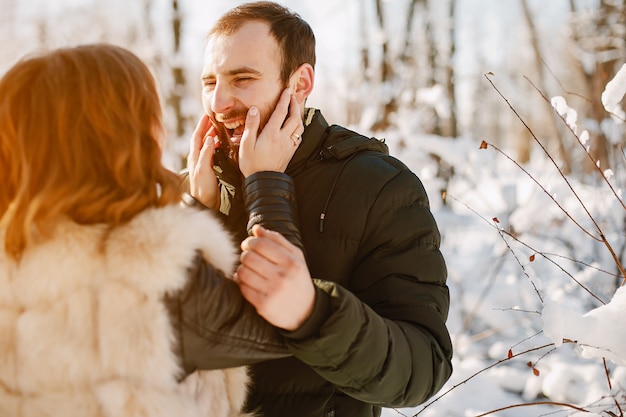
(206, 103)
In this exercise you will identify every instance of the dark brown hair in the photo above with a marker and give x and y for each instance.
(293, 35)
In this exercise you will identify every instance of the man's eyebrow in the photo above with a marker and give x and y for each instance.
(235, 71)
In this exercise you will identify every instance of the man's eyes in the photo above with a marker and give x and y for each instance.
(210, 84)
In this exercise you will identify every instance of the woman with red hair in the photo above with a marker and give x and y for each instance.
(113, 296)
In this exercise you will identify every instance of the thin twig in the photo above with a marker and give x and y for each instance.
(543, 356)
(510, 357)
(600, 171)
(583, 263)
(484, 145)
(597, 168)
(580, 284)
(602, 237)
(566, 91)
(483, 295)
(557, 404)
(608, 380)
(500, 232)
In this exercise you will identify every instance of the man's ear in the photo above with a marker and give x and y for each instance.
(302, 81)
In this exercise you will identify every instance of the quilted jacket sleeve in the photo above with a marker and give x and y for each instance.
(217, 327)
(270, 201)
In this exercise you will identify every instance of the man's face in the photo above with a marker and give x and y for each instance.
(240, 70)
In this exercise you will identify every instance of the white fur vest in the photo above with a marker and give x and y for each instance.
(84, 331)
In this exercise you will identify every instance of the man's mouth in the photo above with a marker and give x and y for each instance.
(234, 129)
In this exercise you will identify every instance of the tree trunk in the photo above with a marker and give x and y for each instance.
(604, 70)
(552, 130)
(354, 105)
(390, 105)
(175, 97)
(451, 128)
(431, 46)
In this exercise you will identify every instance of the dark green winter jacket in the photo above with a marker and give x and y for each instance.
(377, 337)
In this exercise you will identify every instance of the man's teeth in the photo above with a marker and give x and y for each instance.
(233, 125)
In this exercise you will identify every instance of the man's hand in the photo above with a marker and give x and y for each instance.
(274, 147)
(274, 278)
(202, 180)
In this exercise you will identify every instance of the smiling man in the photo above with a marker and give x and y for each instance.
(360, 294)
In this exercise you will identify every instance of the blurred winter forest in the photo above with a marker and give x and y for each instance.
(534, 218)
(382, 63)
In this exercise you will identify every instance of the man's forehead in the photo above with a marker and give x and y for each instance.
(252, 45)
(254, 32)
(229, 62)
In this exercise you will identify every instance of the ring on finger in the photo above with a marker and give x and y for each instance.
(295, 138)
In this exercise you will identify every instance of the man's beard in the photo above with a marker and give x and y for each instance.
(226, 147)
(227, 153)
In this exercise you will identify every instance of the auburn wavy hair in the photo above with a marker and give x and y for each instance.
(80, 137)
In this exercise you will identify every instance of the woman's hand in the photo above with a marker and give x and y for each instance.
(202, 180)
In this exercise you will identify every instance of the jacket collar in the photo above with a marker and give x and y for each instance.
(312, 140)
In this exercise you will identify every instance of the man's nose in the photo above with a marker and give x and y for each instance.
(222, 100)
